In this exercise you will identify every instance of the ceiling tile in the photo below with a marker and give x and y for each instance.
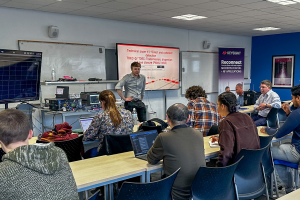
(188, 2)
(150, 17)
(251, 13)
(279, 9)
(259, 5)
(88, 2)
(83, 13)
(167, 13)
(233, 9)
(138, 2)
(124, 14)
(55, 9)
(239, 2)
(165, 5)
(117, 5)
(21, 5)
(99, 10)
(226, 17)
(188, 10)
(143, 9)
(38, 2)
(68, 5)
(212, 5)
(3, 1)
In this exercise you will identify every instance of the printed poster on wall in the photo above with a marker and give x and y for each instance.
(283, 71)
(231, 68)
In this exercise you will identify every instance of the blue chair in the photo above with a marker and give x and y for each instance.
(148, 191)
(281, 116)
(208, 179)
(91, 153)
(267, 161)
(249, 175)
(272, 118)
(291, 165)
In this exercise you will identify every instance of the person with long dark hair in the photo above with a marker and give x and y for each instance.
(237, 130)
(111, 120)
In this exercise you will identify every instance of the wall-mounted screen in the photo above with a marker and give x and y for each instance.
(20, 73)
(160, 65)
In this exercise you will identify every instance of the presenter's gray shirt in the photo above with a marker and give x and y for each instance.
(134, 87)
(182, 147)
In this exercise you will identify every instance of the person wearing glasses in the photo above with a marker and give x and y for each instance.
(266, 101)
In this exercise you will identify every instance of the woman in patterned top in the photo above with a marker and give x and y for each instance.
(110, 120)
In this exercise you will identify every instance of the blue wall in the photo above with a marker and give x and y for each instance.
(263, 48)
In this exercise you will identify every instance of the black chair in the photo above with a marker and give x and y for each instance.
(148, 191)
(272, 118)
(213, 130)
(249, 175)
(267, 161)
(114, 144)
(2, 153)
(208, 179)
(73, 148)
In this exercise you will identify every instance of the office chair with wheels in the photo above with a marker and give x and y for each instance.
(114, 144)
(267, 161)
(208, 179)
(249, 174)
(272, 118)
(148, 191)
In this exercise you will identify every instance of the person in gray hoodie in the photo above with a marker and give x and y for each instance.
(35, 172)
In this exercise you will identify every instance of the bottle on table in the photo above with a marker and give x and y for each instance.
(135, 117)
(53, 75)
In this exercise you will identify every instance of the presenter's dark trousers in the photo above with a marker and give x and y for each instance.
(139, 107)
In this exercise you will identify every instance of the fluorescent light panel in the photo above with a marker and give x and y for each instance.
(266, 29)
(189, 17)
(284, 2)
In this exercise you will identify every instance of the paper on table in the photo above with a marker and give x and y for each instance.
(213, 144)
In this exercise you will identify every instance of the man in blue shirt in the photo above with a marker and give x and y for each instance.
(240, 92)
(267, 100)
(288, 152)
(134, 85)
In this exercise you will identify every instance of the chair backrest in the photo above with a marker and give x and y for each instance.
(213, 130)
(208, 179)
(267, 159)
(272, 118)
(114, 144)
(72, 148)
(148, 191)
(249, 175)
(281, 116)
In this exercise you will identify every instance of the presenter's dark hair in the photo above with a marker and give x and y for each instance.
(178, 114)
(14, 126)
(135, 64)
(296, 90)
(229, 100)
(267, 83)
(194, 92)
(110, 106)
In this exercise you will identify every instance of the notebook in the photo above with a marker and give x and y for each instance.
(142, 142)
(85, 123)
(213, 144)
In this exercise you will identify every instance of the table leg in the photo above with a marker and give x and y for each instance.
(110, 191)
(143, 177)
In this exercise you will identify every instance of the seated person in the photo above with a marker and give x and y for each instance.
(39, 171)
(203, 113)
(227, 89)
(236, 131)
(267, 100)
(181, 147)
(240, 92)
(111, 120)
(288, 152)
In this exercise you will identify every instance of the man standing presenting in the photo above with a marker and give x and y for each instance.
(134, 85)
(181, 147)
(240, 92)
(267, 100)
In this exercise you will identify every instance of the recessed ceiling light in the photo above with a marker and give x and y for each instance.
(266, 29)
(189, 17)
(284, 2)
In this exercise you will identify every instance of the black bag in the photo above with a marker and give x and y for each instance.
(150, 125)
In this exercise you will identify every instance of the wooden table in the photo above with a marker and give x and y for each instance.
(249, 109)
(291, 196)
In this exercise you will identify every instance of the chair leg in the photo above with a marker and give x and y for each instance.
(296, 179)
(275, 181)
(271, 186)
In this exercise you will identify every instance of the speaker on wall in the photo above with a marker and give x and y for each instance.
(53, 31)
(206, 44)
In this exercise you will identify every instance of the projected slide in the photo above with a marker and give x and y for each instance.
(160, 65)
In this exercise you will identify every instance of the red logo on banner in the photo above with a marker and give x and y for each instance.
(224, 53)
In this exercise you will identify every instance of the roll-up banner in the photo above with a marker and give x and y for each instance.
(231, 68)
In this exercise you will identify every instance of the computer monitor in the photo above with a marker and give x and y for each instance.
(250, 97)
(94, 99)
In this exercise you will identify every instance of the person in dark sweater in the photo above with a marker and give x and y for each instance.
(35, 172)
(181, 147)
(288, 152)
(237, 130)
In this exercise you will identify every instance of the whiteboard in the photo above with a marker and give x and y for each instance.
(199, 68)
(79, 61)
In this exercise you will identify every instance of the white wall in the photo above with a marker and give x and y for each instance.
(18, 24)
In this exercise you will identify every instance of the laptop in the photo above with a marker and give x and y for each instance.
(85, 123)
(142, 142)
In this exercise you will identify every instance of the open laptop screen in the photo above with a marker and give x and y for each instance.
(142, 141)
(85, 123)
